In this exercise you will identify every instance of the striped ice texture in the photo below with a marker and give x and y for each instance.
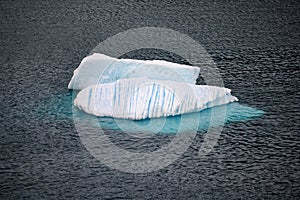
(142, 98)
(99, 68)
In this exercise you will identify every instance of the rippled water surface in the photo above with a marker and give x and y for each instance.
(255, 44)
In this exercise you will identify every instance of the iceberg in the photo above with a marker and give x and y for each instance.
(99, 68)
(142, 98)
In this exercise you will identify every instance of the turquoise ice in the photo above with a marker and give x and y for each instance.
(60, 107)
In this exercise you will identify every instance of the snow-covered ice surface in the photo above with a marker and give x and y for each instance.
(99, 68)
(141, 98)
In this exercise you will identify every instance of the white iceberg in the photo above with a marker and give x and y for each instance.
(99, 69)
(142, 98)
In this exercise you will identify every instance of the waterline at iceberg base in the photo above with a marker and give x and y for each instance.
(60, 107)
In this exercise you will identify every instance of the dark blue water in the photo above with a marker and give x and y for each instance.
(255, 44)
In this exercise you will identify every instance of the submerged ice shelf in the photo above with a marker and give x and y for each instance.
(60, 107)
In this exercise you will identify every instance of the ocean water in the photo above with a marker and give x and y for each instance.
(255, 45)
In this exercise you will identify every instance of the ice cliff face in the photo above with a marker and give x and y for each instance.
(141, 98)
(99, 68)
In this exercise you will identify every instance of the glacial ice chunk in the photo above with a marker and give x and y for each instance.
(141, 98)
(99, 68)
